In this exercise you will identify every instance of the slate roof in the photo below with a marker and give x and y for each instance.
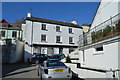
(89, 25)
(52, 22)
(11, 26)
(14, 26)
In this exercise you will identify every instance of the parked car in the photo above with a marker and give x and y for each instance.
(54, 70)
(56, 57)
(37, 58)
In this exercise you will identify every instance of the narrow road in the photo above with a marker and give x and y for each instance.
(19, 72)
(22, 72)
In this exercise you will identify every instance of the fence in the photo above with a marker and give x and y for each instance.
(109, 28)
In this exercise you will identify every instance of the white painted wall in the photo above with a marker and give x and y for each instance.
(32, 34)
(119, 58)
(19, 51)
(27, 52)
(66, 51)
(28, 32)
(105, 10)
(24, 31)
(109, 57)
(106, 59)
(56, 50)
(51, 34)
(84, 73)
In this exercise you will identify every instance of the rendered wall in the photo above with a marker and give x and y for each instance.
(105, 11)
(119, 58)
(106, 59)
(51, 34)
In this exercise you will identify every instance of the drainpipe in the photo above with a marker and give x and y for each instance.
(19, 35)
(31, 37)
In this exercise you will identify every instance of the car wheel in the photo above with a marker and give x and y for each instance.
(28, 61)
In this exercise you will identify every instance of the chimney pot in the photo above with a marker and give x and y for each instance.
(28, 14)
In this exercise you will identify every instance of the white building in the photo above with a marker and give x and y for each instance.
(100, 58)
(49, 37)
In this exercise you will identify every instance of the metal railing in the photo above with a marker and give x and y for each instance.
(108, 29)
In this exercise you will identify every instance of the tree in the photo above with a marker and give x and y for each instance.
(19, 21)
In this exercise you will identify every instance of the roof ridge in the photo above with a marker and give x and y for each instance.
(52, 22)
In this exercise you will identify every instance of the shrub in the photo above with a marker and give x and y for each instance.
(106, 30)
(96, 35)
(68, 60)
(99, 33)
(118, 26)
(93, 35)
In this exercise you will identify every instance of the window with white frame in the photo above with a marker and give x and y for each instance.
(2, 34)
(43, 27)
(71, 40)
(70, 30)
(14, 34)
(58, 39)
(60, 50)
(43, 38)
(58, 29)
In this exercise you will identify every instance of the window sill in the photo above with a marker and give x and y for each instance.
(71, 33)
(59, 42)
(44, 41)
(58, 31)
(98, 53)
(44, 29)
(71, 43)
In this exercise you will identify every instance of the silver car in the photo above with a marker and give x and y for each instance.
(54, 70)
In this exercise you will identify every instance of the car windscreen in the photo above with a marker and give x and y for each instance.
(42, 55)
(53, 64)
(54, 57)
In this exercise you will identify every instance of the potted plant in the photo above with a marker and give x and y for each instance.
(93, 35)
(118, 27)
(99, 35)
(107, 31)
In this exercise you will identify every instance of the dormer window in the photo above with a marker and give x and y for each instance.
(4, 24)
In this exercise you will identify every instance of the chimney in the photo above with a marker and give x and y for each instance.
(28, 14)
(74, 22)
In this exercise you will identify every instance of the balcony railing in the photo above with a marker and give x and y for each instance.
(108, 29)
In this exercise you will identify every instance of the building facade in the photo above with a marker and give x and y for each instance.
(10, 42)
(9, 31)
(100, 56)
(49, 37)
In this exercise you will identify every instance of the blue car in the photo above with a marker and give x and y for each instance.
(38, 58)
(56, 57)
